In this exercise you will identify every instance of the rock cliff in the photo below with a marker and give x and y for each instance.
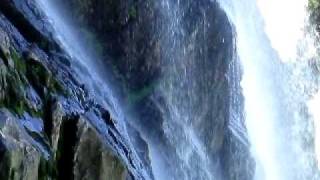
(164, 62)
(50, 126)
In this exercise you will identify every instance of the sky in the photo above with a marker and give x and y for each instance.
(284, 23)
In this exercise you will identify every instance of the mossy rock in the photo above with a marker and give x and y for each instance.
(41, 77)
(22, 74)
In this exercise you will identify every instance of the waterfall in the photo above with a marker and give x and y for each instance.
(87, 65)
(95, 77)
(269, 35)
(190, 159)
(181, 93)
(314, 105)
(200, 93)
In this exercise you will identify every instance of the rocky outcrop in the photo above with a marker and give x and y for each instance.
(50, 126)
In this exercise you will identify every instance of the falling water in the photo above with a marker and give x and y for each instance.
(274, 53)
(93, 74)
(280, 131)
(314, 105)
(191, 160)
(86, 63)
(181, 94)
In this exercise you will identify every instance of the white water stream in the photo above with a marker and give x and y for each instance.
(270, 34)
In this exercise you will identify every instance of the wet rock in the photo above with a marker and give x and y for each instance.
(236, 159)
(26, 17)
(5, 44)
(69, 136)
(123, 34)
(144, 45)
(19, 158)
(5, 49)
(3, 80)
(32, 124)
(41, 134)
(141, 147)
(93, 159)
(33, 100)
(53, 124)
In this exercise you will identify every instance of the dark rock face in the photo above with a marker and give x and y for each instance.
(236, 159)
(189, 47)
(125, 31)
(50, 127)
(163, 57)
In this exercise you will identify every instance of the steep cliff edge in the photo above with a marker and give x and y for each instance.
(50, 127)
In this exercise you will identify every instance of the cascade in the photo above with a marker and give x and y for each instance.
(90, 70)
(276, 85)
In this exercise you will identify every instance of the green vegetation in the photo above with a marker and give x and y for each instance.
(13, 89)
(16, 75)
(19, 64)
(314, 10)
(314, 4)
